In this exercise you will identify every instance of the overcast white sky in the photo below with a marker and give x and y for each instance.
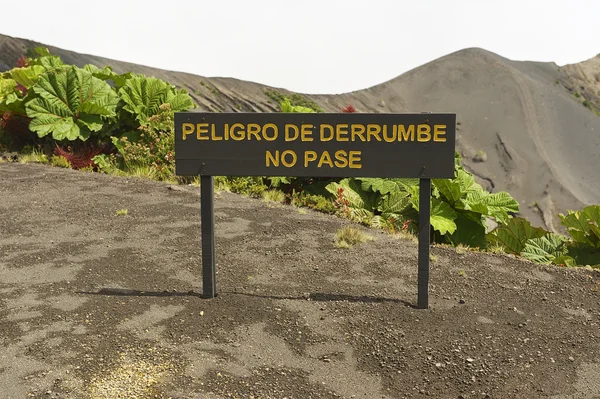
(310, 46)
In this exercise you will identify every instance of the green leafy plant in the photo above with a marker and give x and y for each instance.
(60, 161)
(286, 106)
(103, 163)
(584, 226)
(459, 206)
(514, 234)
(70, 104)
(251, 186)
(294, 99)
(144, 95)
(313, 201)
(153, 148)
(273, 196)
(534, 243)
(551, 248)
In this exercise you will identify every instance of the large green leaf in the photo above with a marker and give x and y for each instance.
(15, 104)
(584, 226)
(394, 202)
(449, 189)
(102, 74)
(545, 249)
(7, 87)
(514, 234)
(498, 205)
(120, 80)
(143, 96)
(27, 76)
(584, 255)
(49, 62)
(467, 182)
(361, 215)
(474, 202)
(381, 222)
(470, 230)
(385, 186)
(406, 184)
(442, 217)
(179, 100)
(46, 60)
(69, 104)
(277, 181)
(357, 198)
(42, 51)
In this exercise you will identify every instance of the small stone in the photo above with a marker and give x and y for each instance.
(571, 358)
(462, 301)
(470, 360)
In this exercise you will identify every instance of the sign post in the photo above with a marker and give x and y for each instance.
(314, 145)
(424, 231)
(207, 226)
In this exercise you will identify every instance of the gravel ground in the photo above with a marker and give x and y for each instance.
(95, 305)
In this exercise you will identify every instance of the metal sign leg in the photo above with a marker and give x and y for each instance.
(207, 222)
(424, 227)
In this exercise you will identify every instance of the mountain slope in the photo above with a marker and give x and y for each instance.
(541, 143)
(524, 118)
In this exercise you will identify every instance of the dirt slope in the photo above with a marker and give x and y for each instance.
(94, 305)
(540, 142)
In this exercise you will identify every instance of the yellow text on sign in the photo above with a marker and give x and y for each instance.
(342, 132)
(338, 159)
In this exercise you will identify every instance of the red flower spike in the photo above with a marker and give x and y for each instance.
(349, 109)
(22, 62)
(79, 159)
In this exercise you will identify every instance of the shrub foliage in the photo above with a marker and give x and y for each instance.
(123, 123)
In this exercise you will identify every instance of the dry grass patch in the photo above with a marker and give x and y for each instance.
(462, 249)
(60, 161)
(348, 236)
(497, 249)
(405, 235)
(33, 157)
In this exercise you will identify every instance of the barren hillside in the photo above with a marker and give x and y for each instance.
(533, 123)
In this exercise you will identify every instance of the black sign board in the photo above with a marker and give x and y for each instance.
(314, 145)
(332, 145)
